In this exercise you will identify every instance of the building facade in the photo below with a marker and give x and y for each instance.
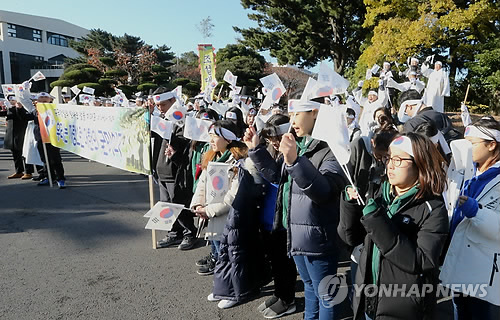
(31, 43)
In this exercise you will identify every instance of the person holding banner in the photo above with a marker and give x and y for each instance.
(174, 178)
(224, 148)
(53, 153)
(310, 182)
(404, 228)
(473, 256)
(14, 137)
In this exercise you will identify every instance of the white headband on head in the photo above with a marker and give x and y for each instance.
(439, 138)
(231, 115)
(402, 108)
(157, 98)
(371, 92)
(301, 106)
(482, 133)
(403, 143)
(224, 133)
(350, 116)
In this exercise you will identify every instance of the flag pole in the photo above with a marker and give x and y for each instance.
(466, 93)
(150, 180)
(49, 175)
(151, 205)
(220, 90)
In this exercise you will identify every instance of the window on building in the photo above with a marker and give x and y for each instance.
(37, 35)
(58, 39)
(22, 32)
(11, 29)
(21, 65)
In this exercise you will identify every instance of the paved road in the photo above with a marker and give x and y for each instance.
(83, 253)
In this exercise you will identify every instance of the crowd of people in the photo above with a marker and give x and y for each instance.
(289, 207)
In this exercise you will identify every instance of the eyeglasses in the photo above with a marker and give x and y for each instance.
(396, 161)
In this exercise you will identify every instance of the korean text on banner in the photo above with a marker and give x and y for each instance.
(118, 137)
(207, 64)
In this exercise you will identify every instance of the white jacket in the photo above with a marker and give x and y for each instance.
(474, 253)
(216, 212)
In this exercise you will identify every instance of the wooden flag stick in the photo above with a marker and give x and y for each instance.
(220, 90)
(466, 93)
(49, 175)
(151, 205)
(150, 182)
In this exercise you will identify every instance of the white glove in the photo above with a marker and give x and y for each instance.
(360, 83)
(381, 82)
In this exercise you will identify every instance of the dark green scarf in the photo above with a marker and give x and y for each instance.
(198, 152)
(224, 157)
(301, 149)
(392, 205)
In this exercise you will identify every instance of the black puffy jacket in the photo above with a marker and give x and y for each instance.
(238, 272)
(410, 245)
(317, 181)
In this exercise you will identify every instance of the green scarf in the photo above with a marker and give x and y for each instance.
(392, 205)
(223, 157)
(198, 152)
(302, 147)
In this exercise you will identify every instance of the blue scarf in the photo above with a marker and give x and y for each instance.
(472, 188)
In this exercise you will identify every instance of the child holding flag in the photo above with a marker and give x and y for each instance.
(307, 207)
(224, 148)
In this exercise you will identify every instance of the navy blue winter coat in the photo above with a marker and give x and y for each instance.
(313, 210)
(238, 272)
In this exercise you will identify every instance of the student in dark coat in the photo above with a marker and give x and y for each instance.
(404, 229)
(418, 113)
(14, 137)
(238, 272)
(308, 200)
(175, 179)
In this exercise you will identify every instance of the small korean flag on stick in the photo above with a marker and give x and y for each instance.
(162, 216)
(177, 114)
(75, 90)
(162, 127)
(197, 129)
(88, 90)
(8, 89)
(217, 182)
(230, 78)
(38, 76)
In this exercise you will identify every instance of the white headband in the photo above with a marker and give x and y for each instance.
(375, 93)
(224, 133)
(301, 106)
(410, 102)
(480, 132)
(162, 97)
(350, 116)
(403, 143)
(439, 138)
(231, 115)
